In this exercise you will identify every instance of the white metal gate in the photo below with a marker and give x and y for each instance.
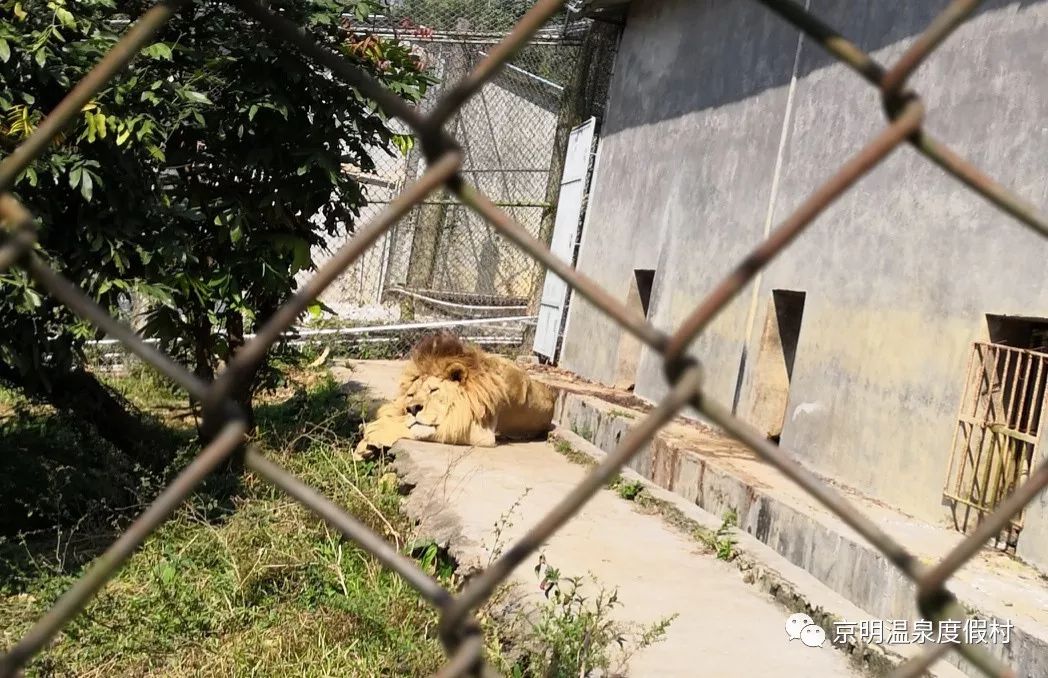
(566, 227)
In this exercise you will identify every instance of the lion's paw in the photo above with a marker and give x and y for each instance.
(381, 434)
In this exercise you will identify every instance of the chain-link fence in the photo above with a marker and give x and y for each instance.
(442, 265)
(446, 159)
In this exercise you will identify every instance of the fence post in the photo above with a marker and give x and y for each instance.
(583, 96)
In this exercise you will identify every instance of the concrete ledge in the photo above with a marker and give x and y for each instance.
(765, 569)
(715, 474)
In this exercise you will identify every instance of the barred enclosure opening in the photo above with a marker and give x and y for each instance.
(998, 430)
(1003, 374)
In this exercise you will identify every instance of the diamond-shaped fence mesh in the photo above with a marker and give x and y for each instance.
(453, 135)
(442, 263)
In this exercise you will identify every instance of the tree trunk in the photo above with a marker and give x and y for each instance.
(242, 395)
(115, 419)
(203, 349)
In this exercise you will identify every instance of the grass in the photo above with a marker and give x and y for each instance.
(243, 583)
(243, 580)
(565, 448)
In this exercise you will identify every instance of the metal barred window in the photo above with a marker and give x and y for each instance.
(459, 632)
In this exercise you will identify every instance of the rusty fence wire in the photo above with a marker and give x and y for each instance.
(443, 261)
(459, 631)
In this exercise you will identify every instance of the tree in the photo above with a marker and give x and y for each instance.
(198, 181)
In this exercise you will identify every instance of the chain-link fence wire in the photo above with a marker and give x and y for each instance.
(442, 262)
(459, 632)
(442, 266)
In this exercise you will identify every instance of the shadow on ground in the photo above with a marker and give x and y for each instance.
(66, 494)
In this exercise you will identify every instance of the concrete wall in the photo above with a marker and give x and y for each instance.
(721, 116)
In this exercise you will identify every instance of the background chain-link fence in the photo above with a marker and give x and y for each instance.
(448, 162)
(442, 266)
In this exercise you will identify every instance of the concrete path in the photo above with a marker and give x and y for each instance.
(725, 628)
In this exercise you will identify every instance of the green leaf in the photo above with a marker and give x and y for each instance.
(65, 16)
(91, 127)
(40, 57)
(197, 97)
(301, 259)
(250, 113)
(158, 50)
(199, 118)
(87, 186)
(146, 255)
(167, 573)
(74, 177)
(31, 298)
(404, 142)
(5, 51)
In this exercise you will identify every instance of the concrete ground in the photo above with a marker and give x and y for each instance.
(376, 379)
(725, 627)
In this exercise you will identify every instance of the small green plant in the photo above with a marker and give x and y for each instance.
(722, 542)
(573, 634)
(502, 526)
(582, 431)
(629, 490)
(563, 447)
(435, 561)
(622, 413)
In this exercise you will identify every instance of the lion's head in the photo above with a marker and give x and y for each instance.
(448, 387)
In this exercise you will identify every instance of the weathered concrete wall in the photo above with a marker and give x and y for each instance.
(899, 273)
(680, 182)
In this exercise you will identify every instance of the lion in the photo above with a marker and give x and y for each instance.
(455, 393)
